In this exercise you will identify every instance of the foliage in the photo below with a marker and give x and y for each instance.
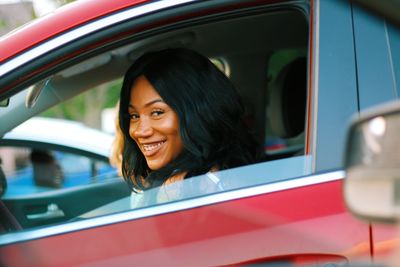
(280, 59)
(63, 2)
(3, 23)
(87, 107)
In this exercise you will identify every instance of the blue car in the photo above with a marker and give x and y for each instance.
(44, 154)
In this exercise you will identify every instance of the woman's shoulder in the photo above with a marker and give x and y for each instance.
(136, 200)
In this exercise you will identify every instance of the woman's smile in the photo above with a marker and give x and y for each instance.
(151, 149)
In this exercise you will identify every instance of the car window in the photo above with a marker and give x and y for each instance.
(269, 71)
(278, 119)
(222, 65)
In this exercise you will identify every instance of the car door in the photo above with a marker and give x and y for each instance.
(288, 209)
(378, 76)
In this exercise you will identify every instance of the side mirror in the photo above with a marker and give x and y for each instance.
(372, 162)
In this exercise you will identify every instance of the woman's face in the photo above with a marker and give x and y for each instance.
(153, 125)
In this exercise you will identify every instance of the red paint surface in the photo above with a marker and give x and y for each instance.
(299, 221)
(386, 243)
(63, 19)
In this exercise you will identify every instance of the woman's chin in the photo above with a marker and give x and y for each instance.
(154, 166)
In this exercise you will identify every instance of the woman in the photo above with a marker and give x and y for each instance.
(180, 117)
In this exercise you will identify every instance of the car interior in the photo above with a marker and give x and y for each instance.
(263, 53)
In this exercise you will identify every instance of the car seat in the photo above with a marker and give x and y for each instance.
(287, 105)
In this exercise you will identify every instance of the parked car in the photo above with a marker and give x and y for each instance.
(79, 154)
(303, 68)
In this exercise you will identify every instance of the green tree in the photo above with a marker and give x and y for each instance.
(87, 107)
(3, 23)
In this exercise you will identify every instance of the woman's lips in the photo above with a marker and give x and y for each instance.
(151, 149)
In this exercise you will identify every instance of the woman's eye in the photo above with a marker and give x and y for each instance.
(156, 113)
(134, 116)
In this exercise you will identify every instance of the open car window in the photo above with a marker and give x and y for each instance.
(268, 69)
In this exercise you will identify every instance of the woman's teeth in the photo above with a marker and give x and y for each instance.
(150, 147)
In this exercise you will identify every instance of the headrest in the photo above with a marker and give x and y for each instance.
(287, 99)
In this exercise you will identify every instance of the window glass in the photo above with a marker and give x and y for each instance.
(222, 65)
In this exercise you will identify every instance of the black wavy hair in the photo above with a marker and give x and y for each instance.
(209, 110)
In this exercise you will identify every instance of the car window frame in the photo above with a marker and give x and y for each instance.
(181, 205)
(334, 95)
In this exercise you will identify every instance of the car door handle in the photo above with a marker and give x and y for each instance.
(53, 211)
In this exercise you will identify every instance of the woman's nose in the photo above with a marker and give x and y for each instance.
(142, 129)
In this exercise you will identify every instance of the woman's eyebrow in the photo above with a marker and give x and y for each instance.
(148, 103)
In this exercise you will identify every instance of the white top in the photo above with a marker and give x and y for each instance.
(178, 190)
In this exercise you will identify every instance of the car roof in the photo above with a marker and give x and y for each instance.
(63, 133)
(63, 19)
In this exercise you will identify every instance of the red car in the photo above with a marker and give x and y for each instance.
(303, 68)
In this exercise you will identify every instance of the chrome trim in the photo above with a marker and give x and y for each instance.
(170, 207)
(85, 30)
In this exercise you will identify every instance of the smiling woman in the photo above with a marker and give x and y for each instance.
(181, 117)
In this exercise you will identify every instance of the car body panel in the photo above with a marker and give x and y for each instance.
(372, 35)
(335, 84)
(225, 232)
(386, 241)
